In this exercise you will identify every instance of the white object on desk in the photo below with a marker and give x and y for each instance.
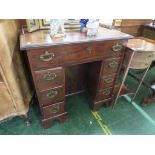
(92, 27)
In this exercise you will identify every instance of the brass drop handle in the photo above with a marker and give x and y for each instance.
(54, 109)
(109, 79)
(117, 47)
(52, 94)
(49, 76)
(113, 64)
(106, 92)
(47, 56)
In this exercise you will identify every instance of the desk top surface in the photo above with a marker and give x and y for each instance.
(42, 38)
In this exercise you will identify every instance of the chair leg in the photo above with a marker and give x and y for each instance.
(123, 81)
(141, 81)
(27, 120)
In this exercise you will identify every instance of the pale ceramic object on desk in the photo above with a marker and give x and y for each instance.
(92, 28)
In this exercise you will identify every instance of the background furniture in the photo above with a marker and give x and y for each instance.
(148, 31)
(150, 98)
(143, 53)
(130, 26)
(14, 90)
(54, 61)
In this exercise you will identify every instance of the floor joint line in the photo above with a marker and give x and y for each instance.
(100, 122)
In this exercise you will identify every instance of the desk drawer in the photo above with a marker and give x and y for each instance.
(46, 79)
(103, 94)
(53, 95)
(59, 55)
(107, 81)
(53, 110)
(111, 66)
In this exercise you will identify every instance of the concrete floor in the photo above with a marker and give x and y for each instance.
(124, 119)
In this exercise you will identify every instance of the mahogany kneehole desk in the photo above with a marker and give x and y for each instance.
(49, 60)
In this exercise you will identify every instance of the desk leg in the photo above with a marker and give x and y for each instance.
(47, 123)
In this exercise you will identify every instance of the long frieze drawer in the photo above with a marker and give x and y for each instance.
(107, 81)
(103, 94)
(112, 48)
(59, 55)
(69, 54)
(53, 95)
(111, 65)
(49, 78)
(53, 110)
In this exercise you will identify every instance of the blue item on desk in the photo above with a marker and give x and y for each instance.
(83, 23)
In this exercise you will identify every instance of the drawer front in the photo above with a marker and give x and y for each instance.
(103, 94)
(52, 95)
(111, 65)
(56, 56)
(107, 81)
(67, 54)
(46, 79)
(114, 48)
(53, 110)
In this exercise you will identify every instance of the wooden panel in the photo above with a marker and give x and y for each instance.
(132, 30)
(132, 22)
(132, 26)
(93, 78)
(49, 78)
(53, 110)
(53, 95)
(76, 78)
